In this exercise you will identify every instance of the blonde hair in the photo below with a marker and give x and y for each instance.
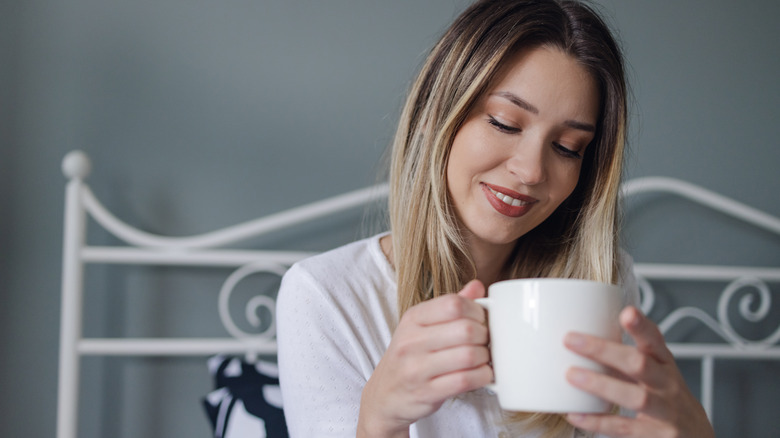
(579, 240)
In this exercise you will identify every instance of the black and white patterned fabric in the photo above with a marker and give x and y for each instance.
(247, 401)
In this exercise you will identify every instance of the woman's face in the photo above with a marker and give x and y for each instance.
(518, 155)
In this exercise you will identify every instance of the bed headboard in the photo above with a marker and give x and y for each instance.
(211, 249)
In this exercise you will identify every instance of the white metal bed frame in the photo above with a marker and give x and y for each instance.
(208, 250)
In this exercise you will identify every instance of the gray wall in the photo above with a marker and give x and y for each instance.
(202, 114)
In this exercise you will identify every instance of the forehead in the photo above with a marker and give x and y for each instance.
(552, 81)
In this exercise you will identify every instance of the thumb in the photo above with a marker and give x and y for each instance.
(472, 290)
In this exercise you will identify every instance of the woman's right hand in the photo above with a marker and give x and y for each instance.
(439, 350)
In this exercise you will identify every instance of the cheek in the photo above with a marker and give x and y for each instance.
(475, 149)
(568, 177)
(463, 153)
(453, 165)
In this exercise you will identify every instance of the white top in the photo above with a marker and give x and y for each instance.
(336, 313)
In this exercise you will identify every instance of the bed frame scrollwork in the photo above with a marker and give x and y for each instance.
(209, 250)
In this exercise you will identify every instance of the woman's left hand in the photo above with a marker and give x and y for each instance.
(645, 380)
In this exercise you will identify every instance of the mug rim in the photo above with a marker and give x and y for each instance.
(547, 280)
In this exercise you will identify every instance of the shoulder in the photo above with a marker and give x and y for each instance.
(341, 303)
(342, 258)
(353, 275)
(358, 261)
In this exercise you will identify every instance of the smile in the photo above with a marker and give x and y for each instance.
(506, 199)
(514, 205)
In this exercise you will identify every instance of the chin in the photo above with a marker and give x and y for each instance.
(498, 239)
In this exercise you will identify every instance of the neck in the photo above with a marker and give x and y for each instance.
(490, 261)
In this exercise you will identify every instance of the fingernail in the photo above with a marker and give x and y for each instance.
(574, 340)
(577, 376)
(636, 317)
(576, 418)
(632, 317)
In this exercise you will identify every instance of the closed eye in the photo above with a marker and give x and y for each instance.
(566, 152)
(503, 127)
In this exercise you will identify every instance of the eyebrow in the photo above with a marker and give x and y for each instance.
(517, 101)
(523, 104)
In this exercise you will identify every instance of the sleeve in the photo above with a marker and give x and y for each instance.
(319, 362)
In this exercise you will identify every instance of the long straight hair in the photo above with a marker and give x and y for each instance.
(579, 240)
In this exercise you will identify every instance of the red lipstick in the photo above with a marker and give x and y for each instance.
(501, 206)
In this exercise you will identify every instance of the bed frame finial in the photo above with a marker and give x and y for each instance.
(76, 165)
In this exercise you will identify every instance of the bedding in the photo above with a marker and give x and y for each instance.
(246, 401)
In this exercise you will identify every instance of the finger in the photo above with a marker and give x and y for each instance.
(625, 359)
(450, 334)
(619, 427)
(645, 333)
(459, 358)
(445, 308)
(452, 384)
(628, 395)
(472, 290)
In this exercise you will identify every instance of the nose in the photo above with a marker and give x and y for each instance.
(528, 162)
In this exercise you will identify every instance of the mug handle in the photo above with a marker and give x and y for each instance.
(485, 303)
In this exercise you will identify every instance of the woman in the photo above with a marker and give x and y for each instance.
(506, 164)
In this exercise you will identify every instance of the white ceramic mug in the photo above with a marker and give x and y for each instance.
(528, 320)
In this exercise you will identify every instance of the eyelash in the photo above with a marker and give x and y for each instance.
(502, 127)
(566, 152)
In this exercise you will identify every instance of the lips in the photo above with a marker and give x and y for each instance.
(507, 202)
